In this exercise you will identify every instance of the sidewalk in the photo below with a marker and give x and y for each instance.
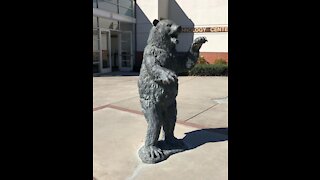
(120, 128)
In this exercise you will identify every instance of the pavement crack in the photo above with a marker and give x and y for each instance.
(201, 112)
(136, 171)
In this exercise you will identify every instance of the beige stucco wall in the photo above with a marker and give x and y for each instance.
(187, 13)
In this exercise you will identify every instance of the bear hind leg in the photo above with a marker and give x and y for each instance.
(169, 122)
(151, 153)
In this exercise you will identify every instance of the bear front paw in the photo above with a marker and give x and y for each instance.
(197, 43)
(200, 40)
(168, 77)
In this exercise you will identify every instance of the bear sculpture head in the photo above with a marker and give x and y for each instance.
(164, 34)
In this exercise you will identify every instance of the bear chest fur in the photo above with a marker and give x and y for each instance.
(165, 59)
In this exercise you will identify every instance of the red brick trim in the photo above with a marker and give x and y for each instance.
(100, 107)
(183, 122)
(211, 57)
(125, 109)
(118, 108)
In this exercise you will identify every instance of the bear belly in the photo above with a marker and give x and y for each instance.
(152, 92)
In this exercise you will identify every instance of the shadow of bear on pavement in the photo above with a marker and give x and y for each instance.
(194, 139)
(200, 137)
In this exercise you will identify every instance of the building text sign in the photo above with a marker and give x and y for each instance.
(204, 29)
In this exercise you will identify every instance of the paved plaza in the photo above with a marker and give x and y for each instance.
(120, 129)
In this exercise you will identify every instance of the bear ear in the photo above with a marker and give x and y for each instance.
(155, 22)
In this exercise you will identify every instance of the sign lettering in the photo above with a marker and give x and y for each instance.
(204, 29)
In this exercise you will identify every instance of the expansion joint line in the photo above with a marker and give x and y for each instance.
(201, 112)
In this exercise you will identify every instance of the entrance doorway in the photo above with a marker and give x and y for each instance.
(105, 56)
(126, 54)
(115, 51)
(121, 50)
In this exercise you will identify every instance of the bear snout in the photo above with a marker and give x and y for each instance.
(176, 29)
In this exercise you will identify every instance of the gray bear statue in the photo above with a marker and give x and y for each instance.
(158, 88)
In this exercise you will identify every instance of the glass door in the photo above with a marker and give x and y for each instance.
(126, 55)
(105, 51)
(96, 51)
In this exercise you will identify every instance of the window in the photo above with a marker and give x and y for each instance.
(109, 5)
(126, 12)
(95, 4)
(123, 7)
(95, 22)
(95, 50)
(107, 23)
(126, 26)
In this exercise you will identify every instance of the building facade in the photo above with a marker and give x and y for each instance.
(121, 29)
(113, 35)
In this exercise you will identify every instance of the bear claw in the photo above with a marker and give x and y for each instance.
(200, 40)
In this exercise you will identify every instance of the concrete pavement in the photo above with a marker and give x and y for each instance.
(120, 128)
